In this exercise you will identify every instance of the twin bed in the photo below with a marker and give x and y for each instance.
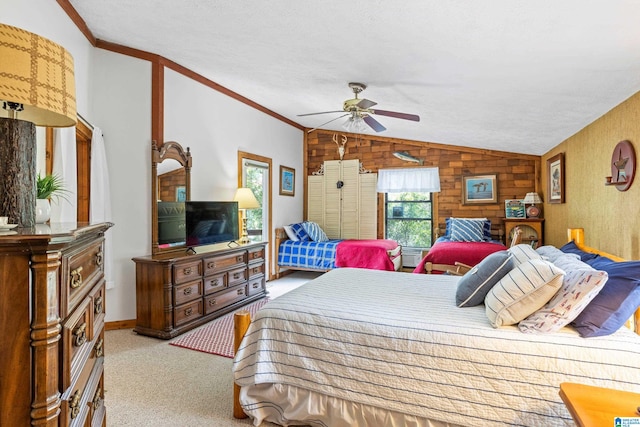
(363, 347)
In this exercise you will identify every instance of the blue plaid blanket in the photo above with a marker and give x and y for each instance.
(315, 255)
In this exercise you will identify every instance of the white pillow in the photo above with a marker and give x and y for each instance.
(524, 290)
(290, 233)
(523, 252)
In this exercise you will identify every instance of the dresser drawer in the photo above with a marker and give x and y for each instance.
(237, 276)
(223, 299)
(80, 270)
(187, 312)
(255, 254)
(215, 283)
(187, 292)
(256, 269)
(187, 271)
(255, 286)
(222, 262)
(80, 402)
(77, 334)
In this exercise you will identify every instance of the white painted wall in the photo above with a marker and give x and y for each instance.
(113, 92)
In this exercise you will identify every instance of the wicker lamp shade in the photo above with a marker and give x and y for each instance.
(38, 74)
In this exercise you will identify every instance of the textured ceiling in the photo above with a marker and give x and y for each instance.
(512, 75)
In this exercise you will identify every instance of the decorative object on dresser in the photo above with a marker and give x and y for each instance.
(555, 178)
(246, 200)
(37, 89)
(531, 228)
(532, 199)
(52, 328)
(623, 166)
(176, 293)
(514, 208)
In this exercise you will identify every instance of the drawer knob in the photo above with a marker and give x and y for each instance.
(187, 291)
(211, 265)
(188, 311)
(76, 277)
(99, 348)
(241, 291)
(214, 282)
(212, 302)
(80, 335)
(256, 285)
(187, 271)
(97, 399)
(97, 305)
(74, 404)
(239, 258)
(99, 258)
(236, 275)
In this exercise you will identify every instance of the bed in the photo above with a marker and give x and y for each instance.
(310, 255)
(465, 243)
(392, 349)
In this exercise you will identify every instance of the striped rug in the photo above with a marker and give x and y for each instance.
(215, 337)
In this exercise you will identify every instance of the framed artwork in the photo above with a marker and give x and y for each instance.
(479, 189)
(555, 178)
(287, 181)
(181, 194)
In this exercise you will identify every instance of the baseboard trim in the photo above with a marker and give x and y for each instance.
(120, 324)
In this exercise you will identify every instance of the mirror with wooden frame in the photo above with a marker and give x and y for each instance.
(170, 187)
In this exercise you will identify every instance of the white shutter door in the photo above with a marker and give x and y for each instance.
(368, 210)
(315, 202)
(350, 191)
(332, 199)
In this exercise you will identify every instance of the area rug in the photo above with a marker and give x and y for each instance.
(216, 337)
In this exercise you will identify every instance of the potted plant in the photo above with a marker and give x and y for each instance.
(47, 186)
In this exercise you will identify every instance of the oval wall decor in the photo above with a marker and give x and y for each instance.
(623, 166)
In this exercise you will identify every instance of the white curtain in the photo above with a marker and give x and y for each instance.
(64, 165)
(425, 180)
(100, 202)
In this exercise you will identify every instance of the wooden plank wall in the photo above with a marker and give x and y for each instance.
(517, 174)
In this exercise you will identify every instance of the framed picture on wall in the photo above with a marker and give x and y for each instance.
(287, 181)
(479, 189)
(555, 178)
(181, 194)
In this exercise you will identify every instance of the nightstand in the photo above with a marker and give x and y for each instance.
(596, 406)
(532, 230)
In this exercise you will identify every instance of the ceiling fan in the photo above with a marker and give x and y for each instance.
(360, 110)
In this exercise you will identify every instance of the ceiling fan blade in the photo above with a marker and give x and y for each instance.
(326, 123)
(397, 115)
(374, 124)
(324, 112)
(366, 104)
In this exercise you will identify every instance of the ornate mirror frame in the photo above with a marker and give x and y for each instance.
(169, 150)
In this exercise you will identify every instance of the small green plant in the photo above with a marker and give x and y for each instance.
(49, 186)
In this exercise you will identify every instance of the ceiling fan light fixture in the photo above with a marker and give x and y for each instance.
(354, 124)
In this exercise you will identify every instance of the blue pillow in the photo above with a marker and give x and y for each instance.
(572, 248)
(300, 232)
(615, 303)
(486, 227)
(474, 286)
(314, 231)
(466, 231)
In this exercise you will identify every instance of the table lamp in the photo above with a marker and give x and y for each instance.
(246, 200)
(37, 88)
(532, 199)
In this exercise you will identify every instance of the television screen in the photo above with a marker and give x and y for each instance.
(171, 224)
(211, 222)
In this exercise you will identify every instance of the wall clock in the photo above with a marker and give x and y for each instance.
(623, 166)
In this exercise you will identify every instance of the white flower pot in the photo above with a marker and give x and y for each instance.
(43, 211)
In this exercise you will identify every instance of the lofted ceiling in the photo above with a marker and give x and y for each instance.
(511, 75)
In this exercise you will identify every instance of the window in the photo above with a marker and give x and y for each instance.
(408, 219)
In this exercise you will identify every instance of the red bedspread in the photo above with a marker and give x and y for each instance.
(371, 254)
(470, 253)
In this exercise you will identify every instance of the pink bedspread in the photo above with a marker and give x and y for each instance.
(371, 254)
(470, 253)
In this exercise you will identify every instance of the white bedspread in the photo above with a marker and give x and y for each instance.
(397, 341)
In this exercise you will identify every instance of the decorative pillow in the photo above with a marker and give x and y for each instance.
(579, 287)
(570, 262)
(300, 232)
(525, 289)
(550, 253)
(486, 226)
(290, 233)
(615, 303)
(477, 282)
(466, 231)
(314, 231)
(572, 248)
(523, 252)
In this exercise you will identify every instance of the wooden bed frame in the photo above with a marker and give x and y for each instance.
(242, 319)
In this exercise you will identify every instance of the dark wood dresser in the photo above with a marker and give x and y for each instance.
(176, 293)
(52, 304)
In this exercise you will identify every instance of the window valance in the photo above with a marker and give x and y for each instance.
(426, 180)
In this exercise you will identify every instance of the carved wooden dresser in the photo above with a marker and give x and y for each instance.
(52, 306)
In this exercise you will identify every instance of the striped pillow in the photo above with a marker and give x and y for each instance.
(314, 231)
(467, 231)
(523, 252)
(486, 226)
(524, 290)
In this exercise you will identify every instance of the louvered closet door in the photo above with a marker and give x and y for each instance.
(368, 209)
(332, 208)
(315, 199)
(350, 197)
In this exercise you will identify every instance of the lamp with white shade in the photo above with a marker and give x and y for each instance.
(532, 199)
(37, 88)
(246, 200)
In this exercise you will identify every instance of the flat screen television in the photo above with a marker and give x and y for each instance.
(211, 222)
(172, 228)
